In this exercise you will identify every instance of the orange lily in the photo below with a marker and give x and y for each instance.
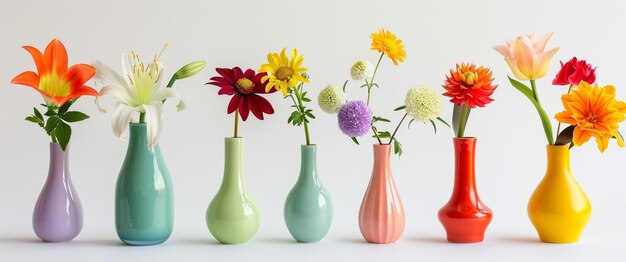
(54, 80)
(594, 112)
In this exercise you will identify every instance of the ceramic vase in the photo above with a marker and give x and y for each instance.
(58, 215)
(381, 217)
(559, 208)
(465, 217)
(308, 209)
(144, 206)
(233, 216)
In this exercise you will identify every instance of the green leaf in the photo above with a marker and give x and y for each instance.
(410, 122)
(566, 136)
(443, 121)
(381, 119)
(52, 123)
(397, 147)
(457, 116)
(384, 134)
(306, 99)
(63, 133)
(33, 119)
(74, 116)
(399, 108)
(309, 114)
(51, 112)
(545, 121)
(65, 107)
(356, 141)
(434, 125)
(38, 114)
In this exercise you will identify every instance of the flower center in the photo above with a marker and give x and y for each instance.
(245, 86)
(590, 121)
(470, 77)
(389, 46)
(284, 73)
(54, 85)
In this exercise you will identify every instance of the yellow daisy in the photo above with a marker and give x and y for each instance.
(384, 41)
(283, 72)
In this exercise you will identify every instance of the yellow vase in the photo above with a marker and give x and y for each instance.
(559, 208)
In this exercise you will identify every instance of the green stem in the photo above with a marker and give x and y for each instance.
(171, 82)
(236, 123)
(397, 127)
(464, 115)
(376, 135)
(300, 107)
(532, 84)
(142, 117)
(558, 128)
(371, 83)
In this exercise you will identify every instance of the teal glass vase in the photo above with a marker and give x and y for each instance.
(144, 207)
(233, 216)
(308, 209)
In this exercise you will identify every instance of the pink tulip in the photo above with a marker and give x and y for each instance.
(526, 57)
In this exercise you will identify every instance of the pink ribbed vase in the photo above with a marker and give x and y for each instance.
(381, 218)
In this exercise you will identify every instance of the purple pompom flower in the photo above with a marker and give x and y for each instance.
(355, 118)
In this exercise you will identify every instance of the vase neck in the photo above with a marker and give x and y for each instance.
(464, 177)
(558, 158)
(233, 163)
(58, 161)
(308, 164)
(138, 136)
(381, 159)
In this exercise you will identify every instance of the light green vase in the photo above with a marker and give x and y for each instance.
(144, 206)
(308, 208)
(232, 216)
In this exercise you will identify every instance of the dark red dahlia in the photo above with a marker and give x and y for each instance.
(244, 87)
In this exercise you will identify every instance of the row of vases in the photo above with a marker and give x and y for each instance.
(558, 208)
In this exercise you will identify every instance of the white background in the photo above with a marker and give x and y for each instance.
(331, 35)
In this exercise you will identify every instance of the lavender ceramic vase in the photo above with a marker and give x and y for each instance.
(58, 215)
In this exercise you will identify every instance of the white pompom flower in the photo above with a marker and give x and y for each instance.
(423, 103)
(331, 98)
(361, 70)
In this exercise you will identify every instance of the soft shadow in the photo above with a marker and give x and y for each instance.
(439, 240)
(279, 240)
(31, 240)
(199, 241)
(101, 242)
(356, 241)
(520, 239)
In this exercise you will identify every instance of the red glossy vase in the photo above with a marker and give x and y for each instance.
(465, 217)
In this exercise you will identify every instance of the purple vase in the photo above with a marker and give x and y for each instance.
(58, 215)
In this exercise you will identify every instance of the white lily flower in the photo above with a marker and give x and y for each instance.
(138, 90)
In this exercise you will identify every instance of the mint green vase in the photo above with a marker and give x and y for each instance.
(143, 195)
(232, 216)
(308, 208)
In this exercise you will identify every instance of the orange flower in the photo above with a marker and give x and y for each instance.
(385, 42)
(594, 112)
(469, 85)
(54, 80)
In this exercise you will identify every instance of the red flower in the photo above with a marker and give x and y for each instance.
(469, 85)
(573, 72)
(244, 87)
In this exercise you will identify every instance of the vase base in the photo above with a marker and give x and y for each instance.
(143, 242)
(558, 240)
(465, 239)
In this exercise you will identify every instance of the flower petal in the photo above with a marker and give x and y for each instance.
(108, 76)
(116, 91)
(169, 93)
(55, 56)
(42, 67)
(78, 75)
(121, 117)
(154, 120)
(28, 78)
(541, 44)
(541, 63)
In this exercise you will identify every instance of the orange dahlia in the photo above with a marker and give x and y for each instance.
(594, 112)
(469, 85)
